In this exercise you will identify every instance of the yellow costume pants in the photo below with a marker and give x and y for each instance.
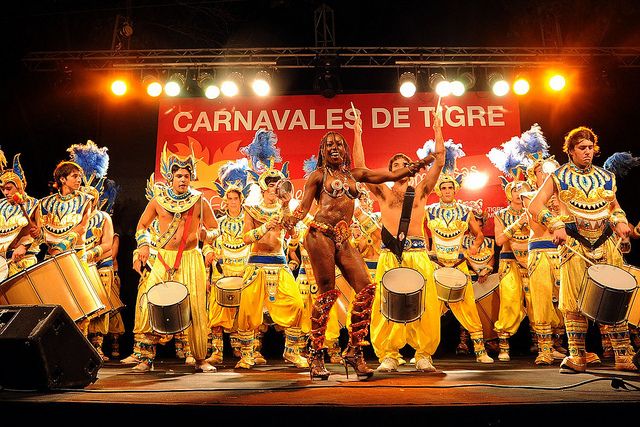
(116, 324)
(192, 274)
(543, 268)
(512, 290)
(423, 335)
(466, 311)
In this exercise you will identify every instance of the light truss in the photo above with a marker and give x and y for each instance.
(344, 57)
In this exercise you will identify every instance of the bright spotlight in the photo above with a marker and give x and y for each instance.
(443, 88)
(152, 85)
(557, 82)
(521, 86)
(407, 84)
(475, 180)
(498, 84)
(261, 83)
(175, 84)
(464, 82)
(457, 88)
(231, 85)
(119, 87)
(208, 85)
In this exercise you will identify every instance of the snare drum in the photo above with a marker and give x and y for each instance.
(169, 308)
(487, 296)
(450, 284)
(402, 296)
(228, 291)
(606, 293)
(59, 280)
(343, 303)
(634, 309)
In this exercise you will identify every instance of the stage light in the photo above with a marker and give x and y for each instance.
(462, 83)
(231, 84)
(475, 180)
(175, 84)
(152, 85)
(119, 87)
(407, 84)
(440, 84)
(521, 86)
(261, 83)
(498, 84)
(557, 82)
(208, 85)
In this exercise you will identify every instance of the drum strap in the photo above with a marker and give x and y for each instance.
(572, 231)
(396, 244)
(183, 242)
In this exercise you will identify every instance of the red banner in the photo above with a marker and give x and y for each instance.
(391, 124)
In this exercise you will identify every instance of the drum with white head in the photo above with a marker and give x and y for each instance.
(402, 296)
(606, 293)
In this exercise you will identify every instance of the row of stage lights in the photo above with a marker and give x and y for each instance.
(496, 81)
(230, 85)
(176, 84)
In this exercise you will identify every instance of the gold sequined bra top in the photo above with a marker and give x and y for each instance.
(340, 185)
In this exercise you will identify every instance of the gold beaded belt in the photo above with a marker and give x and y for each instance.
(339, 233)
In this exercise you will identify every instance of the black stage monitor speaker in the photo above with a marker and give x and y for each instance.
(42, 348)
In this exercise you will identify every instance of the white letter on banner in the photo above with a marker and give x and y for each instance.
(312, 120)
(456, 121)
(331, 118)
(263, 121)
(350, 118)
(202, 122)
(176, 124)
(238, 118)
(476, 112)
(400, 113)
(428, 111)
(374, 116)
(217, 120)
(298, 120)
(280, 122)
(495, 112)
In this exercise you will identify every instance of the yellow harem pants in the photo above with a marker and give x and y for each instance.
(100, 325)
(543, 267)
(193, 275)
(116, 324)
(512, 295)
(466, 311)
(387, 337)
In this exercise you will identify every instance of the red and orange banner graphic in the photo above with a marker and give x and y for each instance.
(391, 124)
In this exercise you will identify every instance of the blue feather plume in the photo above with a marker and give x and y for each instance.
(92, 159)
(234, 172)
(262, 150)
(533, 142)
(309, 165)
(452, 151)
(507, 158)
(108, 196)
(621, 163)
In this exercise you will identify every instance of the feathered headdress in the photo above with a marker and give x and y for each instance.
(15, 175)
(449, 172)
(233, 176)
(309, 165)
(94, 162)
(508, 161)
(621, 163)
(108, 197)
(263, 155)
(168, 160)
(534, 150)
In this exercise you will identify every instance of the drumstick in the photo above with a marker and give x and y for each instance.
(355, 113)
(588, 261)
(618, 244)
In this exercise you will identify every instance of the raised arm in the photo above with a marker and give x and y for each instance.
(379, 176)
(311, 188)
(426, 185)
(358, 149)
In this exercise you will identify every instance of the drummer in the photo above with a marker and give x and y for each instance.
(589, 224)
(268, 282)
(185, 217)
(481, 265)
(448, 221)
(94, 162)
(230, 251)
(62, 217)
(17, 246)
(389, 337)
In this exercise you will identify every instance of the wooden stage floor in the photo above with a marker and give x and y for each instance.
(462, 392)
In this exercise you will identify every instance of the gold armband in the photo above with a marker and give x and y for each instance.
(94, 254)
(207, 249)
(143, 238)
(617, 216)
(298, 213)
(552, 223)
(212, 234)
(257, 233)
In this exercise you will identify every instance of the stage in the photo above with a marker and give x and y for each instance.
(462, 392)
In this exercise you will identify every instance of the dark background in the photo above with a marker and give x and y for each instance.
(43, 113)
